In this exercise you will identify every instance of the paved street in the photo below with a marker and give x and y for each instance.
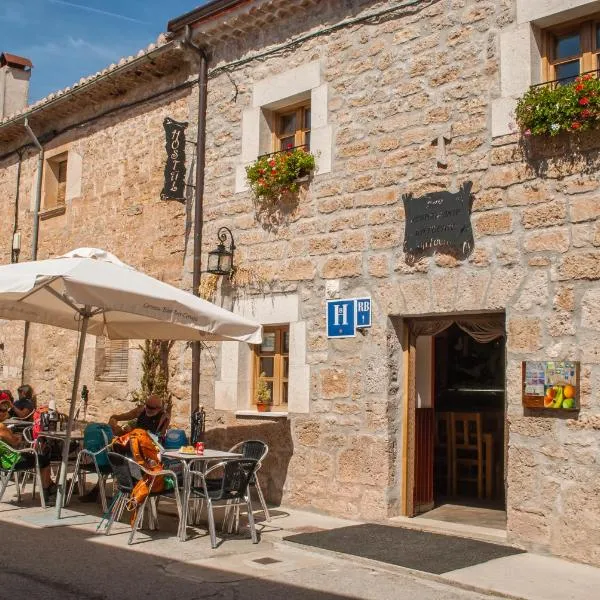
(74, 563)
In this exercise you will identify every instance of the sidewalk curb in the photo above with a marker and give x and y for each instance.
(382, 566)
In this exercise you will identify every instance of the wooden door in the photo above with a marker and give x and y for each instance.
(423, 494)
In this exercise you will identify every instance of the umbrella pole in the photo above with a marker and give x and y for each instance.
(61, 492)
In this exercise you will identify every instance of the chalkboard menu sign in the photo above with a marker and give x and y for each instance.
(174, 187)
(439, 219)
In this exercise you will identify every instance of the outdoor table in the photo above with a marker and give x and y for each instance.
(187, 460)
(17, 424)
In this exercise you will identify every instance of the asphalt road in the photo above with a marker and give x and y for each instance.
(75, 564)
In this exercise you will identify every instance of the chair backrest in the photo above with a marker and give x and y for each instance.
(256, 449)
(198, 426)
(236, 477)
(122, 471)
(95, 437)
(466, 431)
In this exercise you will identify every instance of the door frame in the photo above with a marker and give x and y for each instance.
(409, 405)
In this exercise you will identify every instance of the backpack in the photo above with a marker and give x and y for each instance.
(174, 439)
(145, 452)
(95, 437)
(41, 421)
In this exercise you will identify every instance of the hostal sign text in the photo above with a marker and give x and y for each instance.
(174, 188)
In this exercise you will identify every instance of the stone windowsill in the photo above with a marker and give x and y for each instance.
(52, 212)
(271, 414)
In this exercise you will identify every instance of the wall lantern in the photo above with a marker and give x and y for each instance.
(220, 260)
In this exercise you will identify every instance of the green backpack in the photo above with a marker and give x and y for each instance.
(8, 457)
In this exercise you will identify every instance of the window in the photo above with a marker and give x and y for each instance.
(55, 181)
(112, 359)
(571, 50)
(292, 128)
(272, 359)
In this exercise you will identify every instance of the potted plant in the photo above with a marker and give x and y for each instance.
(570, 107)
(273, 176)
(262, 395)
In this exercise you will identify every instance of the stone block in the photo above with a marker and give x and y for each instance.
(417, 296)
(590, 309)
(336, 267)
(524, 334)
(584, 208)
(334, 383)
(556, 239)
(503, 286)
(544, 215)
(378, 265)
(492, 223)
(529, 193)
(580, 265)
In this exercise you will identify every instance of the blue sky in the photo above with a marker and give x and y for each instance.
(67, 40)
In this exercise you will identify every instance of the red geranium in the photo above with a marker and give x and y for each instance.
(584, 101)
(585, 113)
(575, 125)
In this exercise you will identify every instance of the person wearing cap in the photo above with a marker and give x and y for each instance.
(15, 440)
(149, 416)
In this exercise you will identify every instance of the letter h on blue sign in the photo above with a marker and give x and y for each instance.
(341, 318)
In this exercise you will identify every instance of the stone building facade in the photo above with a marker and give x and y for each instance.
(386, 81)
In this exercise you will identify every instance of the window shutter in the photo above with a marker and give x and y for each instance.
(112, 359)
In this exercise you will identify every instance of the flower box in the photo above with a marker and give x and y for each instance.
(552, 109)
(273, 176)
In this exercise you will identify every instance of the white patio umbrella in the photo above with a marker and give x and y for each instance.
(90, 290)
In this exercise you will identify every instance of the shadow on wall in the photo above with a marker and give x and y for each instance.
(277, 434)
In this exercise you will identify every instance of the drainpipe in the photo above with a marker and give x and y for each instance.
(14, 252)
(38, 192)
(198, 200)
(36, 224)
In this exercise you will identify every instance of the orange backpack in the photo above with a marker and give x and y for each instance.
(146, 453)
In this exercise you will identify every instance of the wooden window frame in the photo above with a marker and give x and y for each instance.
(279, 377)
(301, 129)
(589, 55)
(55, 190)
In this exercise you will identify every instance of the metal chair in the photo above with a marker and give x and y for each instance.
(198, 426)
(256, 449)
(21, 467)
(127, 473)
(232, 488)
(87, 462)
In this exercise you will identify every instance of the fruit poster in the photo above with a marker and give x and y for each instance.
(551, 385)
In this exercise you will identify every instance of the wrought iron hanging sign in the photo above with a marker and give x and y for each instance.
(439, 219)
(174, 187)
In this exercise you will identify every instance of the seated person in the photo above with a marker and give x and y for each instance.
(15, 440)
(24, 406)
(149, 416)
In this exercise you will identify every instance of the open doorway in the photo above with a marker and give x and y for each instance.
(459, 419)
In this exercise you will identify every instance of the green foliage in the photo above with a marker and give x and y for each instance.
(155, 372)
(274, 175)
(544, 110)
(263, 393)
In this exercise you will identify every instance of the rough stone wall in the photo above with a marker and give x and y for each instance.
(393, 87)
(119, 210)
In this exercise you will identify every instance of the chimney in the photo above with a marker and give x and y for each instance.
(15, 72)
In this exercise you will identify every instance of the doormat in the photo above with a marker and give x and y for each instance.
(409, 548)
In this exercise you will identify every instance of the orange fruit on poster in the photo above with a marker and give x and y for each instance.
(548, 402)
(569, 391)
